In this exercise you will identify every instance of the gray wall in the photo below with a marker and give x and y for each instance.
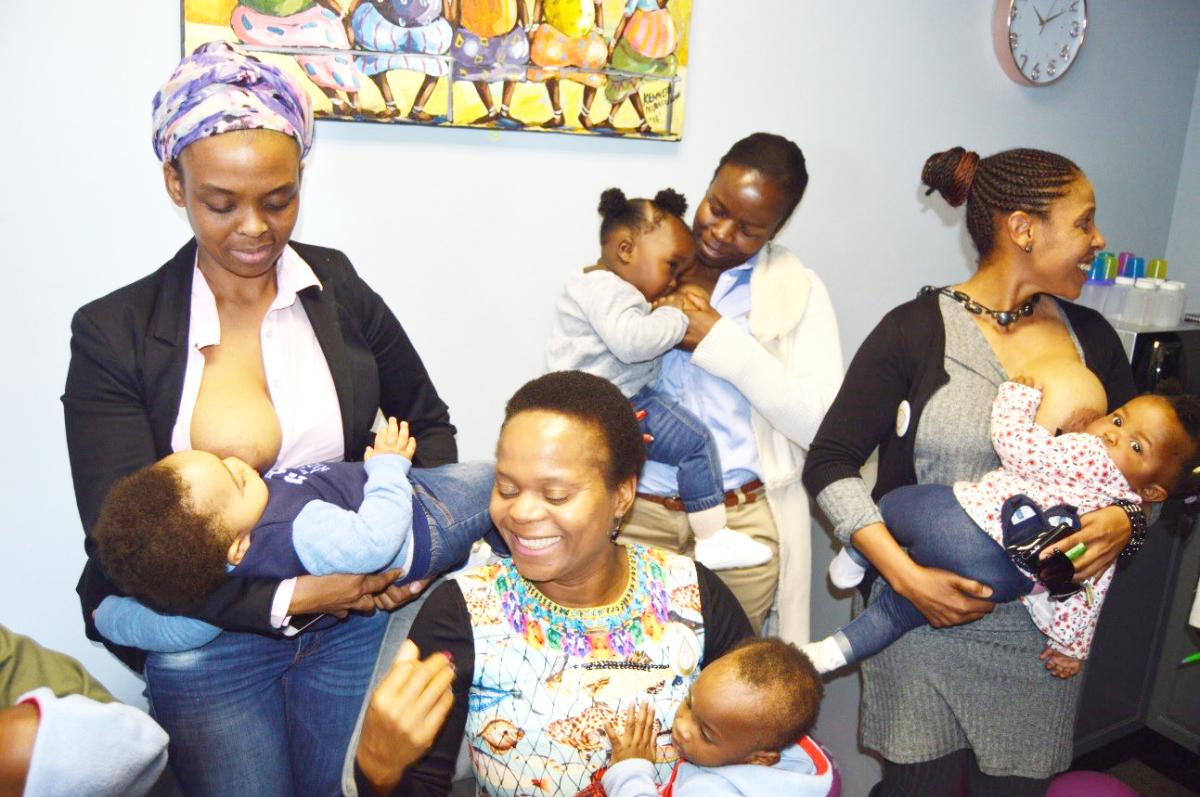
(468, 234)
(1183, 246)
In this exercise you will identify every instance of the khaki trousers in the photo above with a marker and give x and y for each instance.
(653, 524)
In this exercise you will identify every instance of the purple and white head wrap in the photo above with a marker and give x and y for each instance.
(217, 89)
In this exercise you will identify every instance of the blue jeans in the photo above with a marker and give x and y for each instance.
(252, 714)
(681, 439)
(454, 499)
(928, 520)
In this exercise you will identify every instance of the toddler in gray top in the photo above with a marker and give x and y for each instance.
(616, 319)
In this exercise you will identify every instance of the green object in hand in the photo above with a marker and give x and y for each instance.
(1192, 659)
(1076, 552)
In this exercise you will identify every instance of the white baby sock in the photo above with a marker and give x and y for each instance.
(826, 654)
(844, 572)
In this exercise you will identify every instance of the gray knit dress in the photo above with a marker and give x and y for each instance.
(979, 685)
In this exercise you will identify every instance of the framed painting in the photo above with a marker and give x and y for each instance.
(588, 67)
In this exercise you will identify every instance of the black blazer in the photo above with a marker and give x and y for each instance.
(124, 384)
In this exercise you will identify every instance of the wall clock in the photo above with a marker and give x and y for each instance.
(1037, 41)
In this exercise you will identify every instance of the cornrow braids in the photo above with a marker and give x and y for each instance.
(640, 215)
(1016, 179)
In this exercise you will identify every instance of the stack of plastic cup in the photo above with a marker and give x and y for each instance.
(1117, 298)
(1157, 269)
(1135, 267)
(1112, 268)
(1122, 259)
(1096, 289)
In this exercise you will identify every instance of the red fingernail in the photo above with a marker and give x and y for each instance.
(448, 655)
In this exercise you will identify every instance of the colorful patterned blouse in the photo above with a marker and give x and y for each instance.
(548, 679)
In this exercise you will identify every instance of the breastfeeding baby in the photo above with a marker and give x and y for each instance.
(1061, 456)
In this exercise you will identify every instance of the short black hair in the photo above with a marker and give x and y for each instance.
(156, 546)
(777, 158)
(788, 682)
(593, 401)
(1186, 479)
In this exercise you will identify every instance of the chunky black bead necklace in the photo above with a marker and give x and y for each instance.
(1002, 317)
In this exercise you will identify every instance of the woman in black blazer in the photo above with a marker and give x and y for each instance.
(250, 712)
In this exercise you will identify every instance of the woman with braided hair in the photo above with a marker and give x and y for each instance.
(968, 691)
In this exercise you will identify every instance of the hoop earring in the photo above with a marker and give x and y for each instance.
(616, 531)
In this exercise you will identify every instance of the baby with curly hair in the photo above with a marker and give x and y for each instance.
(616, 320)
(171, 532)
(741, 731)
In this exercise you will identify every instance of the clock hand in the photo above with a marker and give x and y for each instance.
(1041, 22)
(1052, 18)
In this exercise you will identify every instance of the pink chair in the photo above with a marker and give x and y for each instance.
(1088, 784)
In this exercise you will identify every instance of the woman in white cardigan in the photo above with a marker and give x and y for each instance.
(765, 364)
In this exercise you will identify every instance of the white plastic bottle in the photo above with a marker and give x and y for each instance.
(1117, 298)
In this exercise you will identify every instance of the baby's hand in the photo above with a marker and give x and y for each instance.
(636, 739)
(1027, 381)
(392, 438)
(674, 299)
(1060, 665)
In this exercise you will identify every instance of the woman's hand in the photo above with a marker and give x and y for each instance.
(1060, 665)
(339, 593)
(1105, 533)
(636, 739)
(701, 318)
(404, 716)
(395, 596)
(944, 598)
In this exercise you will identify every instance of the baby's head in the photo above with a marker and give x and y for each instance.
(645, 241)
(167, 531)
(748, 705)
(1155, 443)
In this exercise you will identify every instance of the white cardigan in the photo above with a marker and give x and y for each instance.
(789, 368)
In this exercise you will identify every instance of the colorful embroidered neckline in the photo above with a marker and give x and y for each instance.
(618, 627)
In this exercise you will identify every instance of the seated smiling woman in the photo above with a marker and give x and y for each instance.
(559, 640)
(246, 344)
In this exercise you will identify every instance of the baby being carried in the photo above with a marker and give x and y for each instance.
(1004, 529)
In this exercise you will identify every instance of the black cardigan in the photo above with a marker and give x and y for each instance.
(125, 380)
(904, 359)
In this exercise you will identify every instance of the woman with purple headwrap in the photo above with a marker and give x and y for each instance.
(248, 344)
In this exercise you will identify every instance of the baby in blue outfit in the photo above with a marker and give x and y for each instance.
(171, 532)
(741, 732)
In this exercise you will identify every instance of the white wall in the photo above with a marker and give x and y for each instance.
(468, 234)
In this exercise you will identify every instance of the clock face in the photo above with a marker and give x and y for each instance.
(1044, 37)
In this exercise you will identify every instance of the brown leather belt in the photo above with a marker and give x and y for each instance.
(748, 493)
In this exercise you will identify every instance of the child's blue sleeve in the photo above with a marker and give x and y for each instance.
(633, 777)
(329, 539)
(127, 622)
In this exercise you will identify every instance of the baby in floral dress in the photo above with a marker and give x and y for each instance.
(1141, 452)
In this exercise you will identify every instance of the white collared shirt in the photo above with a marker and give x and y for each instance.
(298, 378)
